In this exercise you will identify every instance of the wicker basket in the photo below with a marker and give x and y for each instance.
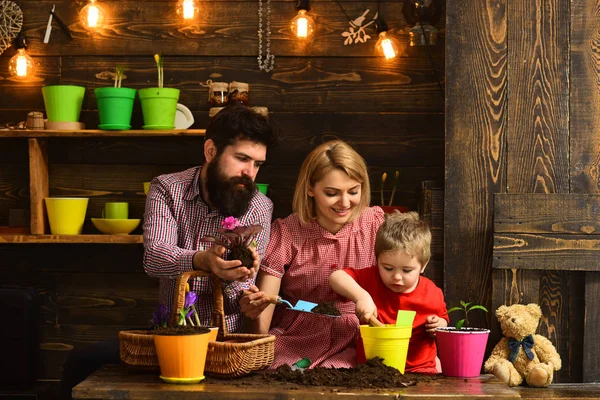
(233, 354)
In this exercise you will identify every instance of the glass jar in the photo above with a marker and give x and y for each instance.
(238, 92)
(218, 93)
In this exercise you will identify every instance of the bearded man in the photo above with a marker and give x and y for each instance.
(183, 207)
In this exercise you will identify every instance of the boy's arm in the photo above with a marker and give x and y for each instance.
(344, 285)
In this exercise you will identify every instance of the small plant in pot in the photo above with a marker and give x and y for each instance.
(181, 349)
(115, 104)
(461, 348)
(237, 239)
(390, 208)
(159, 104)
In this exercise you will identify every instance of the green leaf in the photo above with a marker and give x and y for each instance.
(478, 308)
(460, 324)
(454, 309)
(462, 303)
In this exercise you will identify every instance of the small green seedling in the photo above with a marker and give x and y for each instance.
(465, 307)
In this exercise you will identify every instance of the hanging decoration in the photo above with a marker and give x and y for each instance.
(268, 63)
(21, 64)
(356, 32)
(302, 25)
(92, 16)
(11, 23)
(188, 9)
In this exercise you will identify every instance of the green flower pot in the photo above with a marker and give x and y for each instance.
(63, 102)
(158, 107)
(115, 106)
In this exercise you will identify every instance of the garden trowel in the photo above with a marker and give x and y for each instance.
(405, 318)
(301, 305)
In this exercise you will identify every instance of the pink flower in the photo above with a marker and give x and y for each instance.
(230, 223)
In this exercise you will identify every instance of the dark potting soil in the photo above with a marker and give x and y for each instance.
(243, 254)
(373, 374)
(326, 308)
(180, 330)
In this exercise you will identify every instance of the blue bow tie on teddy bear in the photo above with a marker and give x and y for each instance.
(514, 345)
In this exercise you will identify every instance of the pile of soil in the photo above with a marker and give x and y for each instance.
(373, 374)
(326, 308)
(180, 330)
(243, 254)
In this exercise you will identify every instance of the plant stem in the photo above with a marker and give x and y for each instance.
(394, 187)
(383, 178)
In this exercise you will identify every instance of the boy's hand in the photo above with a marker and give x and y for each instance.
(432, 322)
(365, 308)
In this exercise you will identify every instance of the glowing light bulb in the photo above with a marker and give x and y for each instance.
(92, 16)
(187, 8)
(21, 65)
(302, 25)
(386, 46)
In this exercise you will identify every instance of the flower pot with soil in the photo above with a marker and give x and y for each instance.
(115, 104)
(389, 209)
(461, 350)
(181, 349)
(159, 104)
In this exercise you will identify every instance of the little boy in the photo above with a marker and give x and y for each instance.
(402, 248)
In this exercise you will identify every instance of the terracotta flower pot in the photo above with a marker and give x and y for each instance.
(182, 358)
(391, 209)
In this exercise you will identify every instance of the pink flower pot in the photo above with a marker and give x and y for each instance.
(461, 351)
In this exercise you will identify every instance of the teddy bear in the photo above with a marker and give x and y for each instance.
(521, 354)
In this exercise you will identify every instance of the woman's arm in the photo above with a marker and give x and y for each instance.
(256, 305)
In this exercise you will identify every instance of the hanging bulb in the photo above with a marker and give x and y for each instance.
(92, 16)
(302, 25)
(21, 66)
(187, 9)
(386, 46)
(423, 35)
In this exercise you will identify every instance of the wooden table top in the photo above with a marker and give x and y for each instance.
(118, 382)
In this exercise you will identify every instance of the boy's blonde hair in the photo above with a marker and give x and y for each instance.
(329, 156)
(404, 231)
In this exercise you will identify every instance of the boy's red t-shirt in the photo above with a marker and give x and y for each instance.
(427, 299)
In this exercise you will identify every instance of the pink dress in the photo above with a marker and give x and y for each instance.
(304, 256)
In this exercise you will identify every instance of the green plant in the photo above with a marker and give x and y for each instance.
(119, 76)
(466, 308)
(383, 179)
(159, 66)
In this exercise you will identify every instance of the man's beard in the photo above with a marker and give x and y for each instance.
(226, 194)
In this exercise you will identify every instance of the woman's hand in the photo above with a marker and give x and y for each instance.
(254, 302)
(432, 322)
(365, 308)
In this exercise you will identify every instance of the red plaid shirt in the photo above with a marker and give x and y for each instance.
(304, 256)
(175, 220)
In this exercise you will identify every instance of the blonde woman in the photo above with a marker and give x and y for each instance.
(332, 227)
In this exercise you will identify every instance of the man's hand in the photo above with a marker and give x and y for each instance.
(365, 308)
(432, 322)
(253, 302)
(211, 260)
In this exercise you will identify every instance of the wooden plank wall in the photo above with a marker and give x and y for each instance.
(392, 112)
(526, 108)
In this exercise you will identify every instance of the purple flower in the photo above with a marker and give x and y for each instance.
(190, 299)
(161, 316)
(230, 223)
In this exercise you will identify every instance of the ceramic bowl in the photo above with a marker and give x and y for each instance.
(116, 226)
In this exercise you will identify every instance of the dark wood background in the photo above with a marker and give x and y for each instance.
(522, 100)
(393, 113)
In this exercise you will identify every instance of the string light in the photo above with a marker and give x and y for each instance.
(386, 46)
(187, 9)
(92, 16)
(302, 25)
(21, 66)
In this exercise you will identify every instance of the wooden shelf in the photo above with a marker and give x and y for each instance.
(54, 239)
(39, 185)
(98, 133)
